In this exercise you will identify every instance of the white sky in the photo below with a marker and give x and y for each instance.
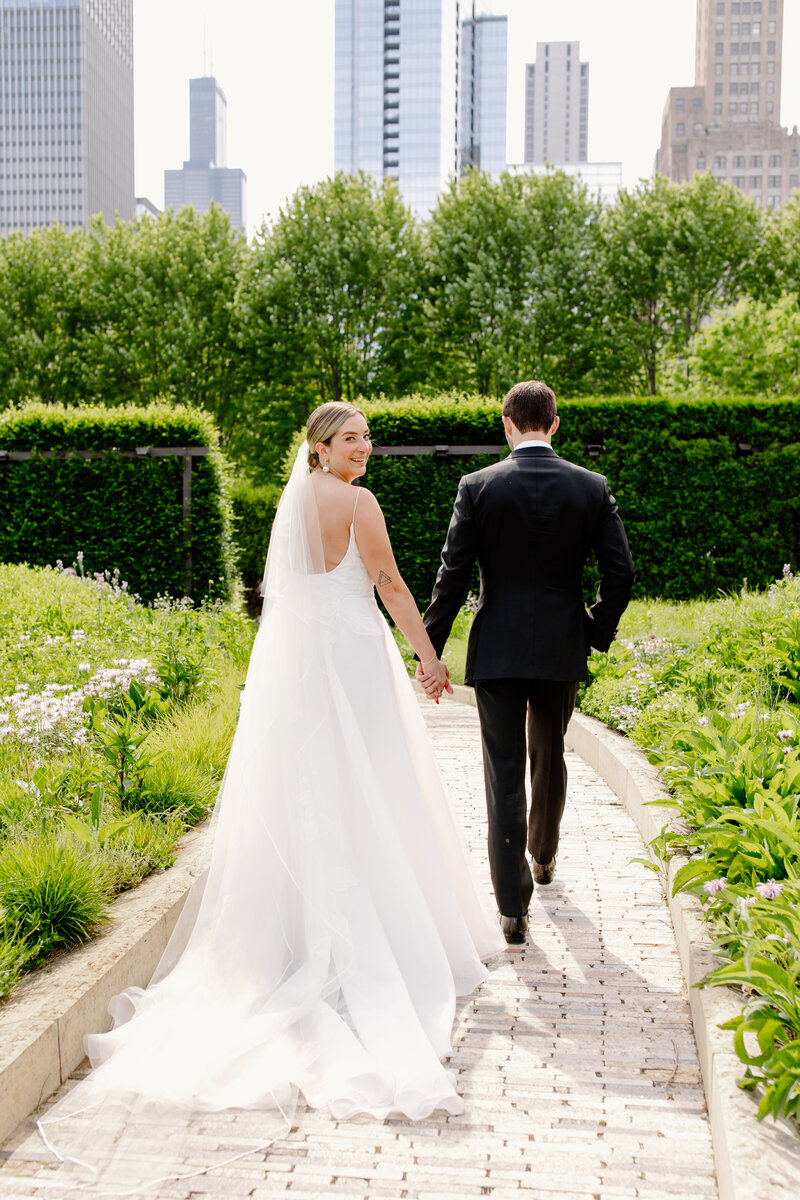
(274, 61)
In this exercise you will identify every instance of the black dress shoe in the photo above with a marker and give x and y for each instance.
(544, 872)
(514, 929)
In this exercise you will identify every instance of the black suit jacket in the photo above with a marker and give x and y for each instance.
(532, 521)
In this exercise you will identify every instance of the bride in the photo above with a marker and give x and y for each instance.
(321, 953)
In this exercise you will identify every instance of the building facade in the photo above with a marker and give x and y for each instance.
(728, 122)
(66, 112)
(397, 93)
(204, 176)
(483, 85)
(557, 105)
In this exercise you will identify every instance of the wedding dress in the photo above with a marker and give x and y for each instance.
(322, 952)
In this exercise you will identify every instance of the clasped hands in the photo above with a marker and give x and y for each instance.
(435, 679)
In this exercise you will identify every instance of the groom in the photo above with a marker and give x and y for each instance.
(531, 521)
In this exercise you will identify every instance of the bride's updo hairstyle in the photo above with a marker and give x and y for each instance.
(323, 423)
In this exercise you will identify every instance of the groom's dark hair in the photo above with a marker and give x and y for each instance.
(531, 406)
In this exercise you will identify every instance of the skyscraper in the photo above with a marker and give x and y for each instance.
(66, 121)
(204, 176)
(482, 118)
(396, 104)
(557, 104)
(729, 121)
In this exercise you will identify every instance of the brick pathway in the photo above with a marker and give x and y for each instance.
(576, 1058)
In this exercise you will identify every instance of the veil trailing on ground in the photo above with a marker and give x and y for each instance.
(321, 950)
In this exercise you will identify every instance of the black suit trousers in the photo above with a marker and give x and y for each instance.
(505, 707)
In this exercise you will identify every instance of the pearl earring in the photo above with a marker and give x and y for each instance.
(325, 468)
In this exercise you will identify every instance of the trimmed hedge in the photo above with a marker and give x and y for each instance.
(709, 490)
(123, 513)
(254, 508)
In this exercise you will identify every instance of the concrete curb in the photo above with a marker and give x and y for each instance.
(42, 1026)
(754, 1160)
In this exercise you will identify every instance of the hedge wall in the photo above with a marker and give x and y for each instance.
(254, 508)
(122, 513)
(709, 490)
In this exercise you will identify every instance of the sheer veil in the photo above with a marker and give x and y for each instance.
(306, 958)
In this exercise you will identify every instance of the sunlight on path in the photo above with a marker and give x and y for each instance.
(576, 1058)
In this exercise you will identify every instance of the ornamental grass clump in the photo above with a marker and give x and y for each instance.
(51, 895)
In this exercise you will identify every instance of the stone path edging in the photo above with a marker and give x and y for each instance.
(42, 1026)
(754, 1160)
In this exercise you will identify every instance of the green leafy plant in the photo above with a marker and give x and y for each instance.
(50, 895)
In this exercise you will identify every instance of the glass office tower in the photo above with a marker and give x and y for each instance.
(484, 69)
(397, 89)
(66, 112)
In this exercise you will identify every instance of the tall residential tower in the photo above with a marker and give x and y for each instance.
(397, 89)
(484, 69)
(66, 115)
(204, 177)
(557, 105)
(729, 121)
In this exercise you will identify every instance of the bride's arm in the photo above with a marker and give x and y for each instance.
(375, 549)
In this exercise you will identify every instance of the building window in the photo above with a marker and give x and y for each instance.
(697, 102)
(794, 161)
(755, 183)
(770, 67)
(719, 29)
(739, 181)
(794, 181)
(721, 9)
(717, 68)
(680, 103)
(755, 48)
(743, 107)
(775, 181)
(701, 162)
(776, 160)
(739, 161)
(756, 27)
(717, 89)
(717, 109)
(734, 68)
(735, 29)
(680, 129)
(756, 160)
(734, 49)
(698, 125)
(770, 47)
(770, 87)
(719, 49)
(753, 108)
(770, 106)
(720, 162)
(774, 201)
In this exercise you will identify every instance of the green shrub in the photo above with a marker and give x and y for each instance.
(254, 508)
(119, 513)
(709, 490)
(179, 786)
(51, 897)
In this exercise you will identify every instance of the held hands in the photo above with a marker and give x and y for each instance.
(435, 678)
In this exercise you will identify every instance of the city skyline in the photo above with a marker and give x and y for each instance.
(278, 60)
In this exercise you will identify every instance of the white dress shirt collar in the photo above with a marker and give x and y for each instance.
(534, 442)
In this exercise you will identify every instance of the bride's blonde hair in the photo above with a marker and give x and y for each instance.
(323, 423)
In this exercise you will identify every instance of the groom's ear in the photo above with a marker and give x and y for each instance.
(555, 425)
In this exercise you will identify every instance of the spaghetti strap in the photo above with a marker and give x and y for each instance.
(355, 506)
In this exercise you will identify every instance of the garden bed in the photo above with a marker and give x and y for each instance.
(115, 725)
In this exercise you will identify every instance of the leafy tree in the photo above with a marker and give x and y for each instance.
(753, 349)
(328, 303)
(674, 253)
(513, 287)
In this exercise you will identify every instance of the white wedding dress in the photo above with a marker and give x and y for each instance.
(323, 951)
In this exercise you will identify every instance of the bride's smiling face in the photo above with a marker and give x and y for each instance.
(348, 450)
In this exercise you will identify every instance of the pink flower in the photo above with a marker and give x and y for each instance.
(715, 885)
(770, 890)
(746, 902)
(702, 720)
